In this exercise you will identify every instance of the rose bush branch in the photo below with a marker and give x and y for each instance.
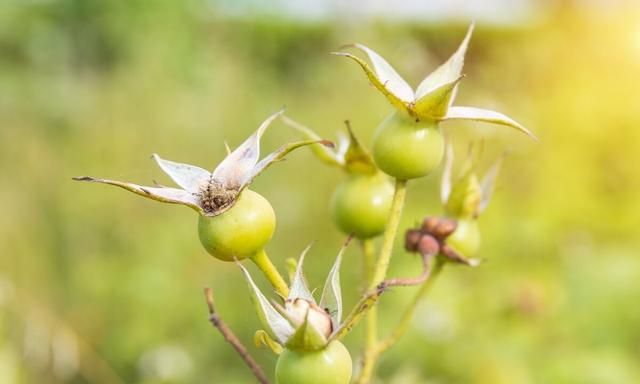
(231, 338)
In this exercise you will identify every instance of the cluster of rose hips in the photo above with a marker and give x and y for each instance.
(235, 223)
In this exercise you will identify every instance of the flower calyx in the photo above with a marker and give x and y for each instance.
(433, 98)
(212, 193)
(301, 323)
(349, 155)
(468, 196)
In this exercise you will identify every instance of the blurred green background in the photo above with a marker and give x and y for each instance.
(100, 286)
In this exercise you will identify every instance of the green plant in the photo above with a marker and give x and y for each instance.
(360, 204)
(408, 144)
(232, 224)
(236, 223)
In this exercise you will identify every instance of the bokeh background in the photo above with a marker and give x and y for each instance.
(100, 286)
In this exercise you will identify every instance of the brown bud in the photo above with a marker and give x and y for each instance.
(444, 228)
(429, 224)
(411, 240)
(428, 245)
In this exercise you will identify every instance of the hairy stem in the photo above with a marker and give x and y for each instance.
(231, 338)
(271, 273)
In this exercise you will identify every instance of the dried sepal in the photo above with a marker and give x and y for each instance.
(331, 300)
(486, 116)
(387, 75)
(447, 72)
(162, 194)
(394, 99)
(434, 97)
(262, 338)
(279, 155)
(275, 324)
(212, 194)
(299, 287)
(237, 167)
(190, 177)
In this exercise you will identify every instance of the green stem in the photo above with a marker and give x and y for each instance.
(372, 316)
(403, 325)
(372, 354)
(389, 234)
(370, 298)
(266, 266)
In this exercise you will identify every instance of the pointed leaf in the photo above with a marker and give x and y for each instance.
(322, 152)
(306, 337)
(164, 195)
(277, 156)
(299, 288)
(434, 105)
(487, 116)
(395, 100)
(388, 76)
(261, 338)
(189, 177)
(445, 185)
(487, 185)
(271, 319)
(238, 166)
(447, 72)
(356, 158)
(331, 299)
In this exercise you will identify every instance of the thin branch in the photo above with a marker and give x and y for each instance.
(403, 325)
(375, 349)
(231, 338)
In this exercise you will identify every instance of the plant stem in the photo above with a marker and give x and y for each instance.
(403, 325)
(389, 234)
(370, 298)
(231, 338)
(266, 266)
(371, 354)
(372, 316)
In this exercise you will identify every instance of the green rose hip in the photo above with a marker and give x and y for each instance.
(360, 205)
(408, 144)
(466, 238)
(405, 148)
(330, 365)
(234, 222)
(241, 231)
